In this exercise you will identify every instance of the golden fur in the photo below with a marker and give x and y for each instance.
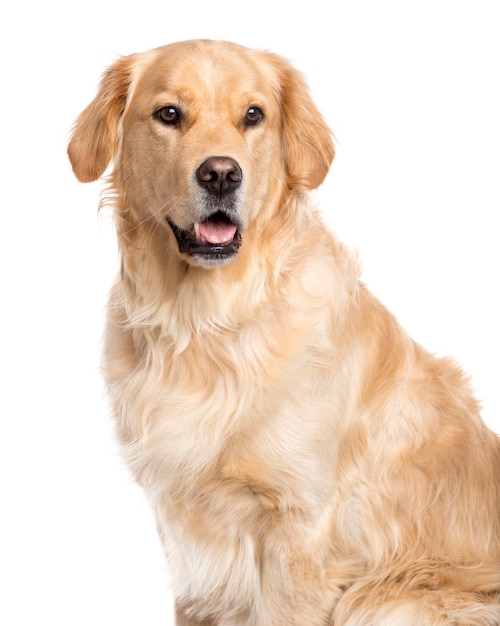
(307, 462)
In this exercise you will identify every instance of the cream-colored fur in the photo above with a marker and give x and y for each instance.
(307, 462)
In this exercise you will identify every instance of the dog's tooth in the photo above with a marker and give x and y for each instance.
(199, 237)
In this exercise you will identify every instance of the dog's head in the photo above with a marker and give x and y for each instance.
(203, 136)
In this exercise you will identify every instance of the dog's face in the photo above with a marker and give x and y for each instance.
(204, 135)
(206, 129)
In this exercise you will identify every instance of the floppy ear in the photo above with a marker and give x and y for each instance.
(95, 133)
(307, 140)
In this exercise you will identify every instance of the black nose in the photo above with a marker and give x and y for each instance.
(219, 175)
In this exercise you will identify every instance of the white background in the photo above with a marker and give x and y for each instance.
(411, 90)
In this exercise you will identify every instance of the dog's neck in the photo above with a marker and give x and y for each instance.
(173, 299)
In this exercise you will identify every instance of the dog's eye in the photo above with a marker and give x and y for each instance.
(168, 115)
(253, 116)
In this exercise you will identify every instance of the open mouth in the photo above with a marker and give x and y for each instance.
(216, 238)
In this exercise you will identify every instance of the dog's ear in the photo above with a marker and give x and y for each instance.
(307, 140)
(95, 134)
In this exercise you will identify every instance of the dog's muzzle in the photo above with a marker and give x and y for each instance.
(217, 238)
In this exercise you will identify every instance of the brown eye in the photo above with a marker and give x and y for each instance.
(253, 116)
(168, 115)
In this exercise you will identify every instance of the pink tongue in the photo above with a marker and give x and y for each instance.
(217, 232)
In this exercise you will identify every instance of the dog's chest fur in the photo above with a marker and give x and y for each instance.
(223, 451)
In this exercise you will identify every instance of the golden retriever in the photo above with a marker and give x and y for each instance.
(306, 461)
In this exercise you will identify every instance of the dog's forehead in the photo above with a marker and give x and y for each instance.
(206, 69)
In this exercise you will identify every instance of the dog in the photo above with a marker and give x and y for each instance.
(306, 461)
